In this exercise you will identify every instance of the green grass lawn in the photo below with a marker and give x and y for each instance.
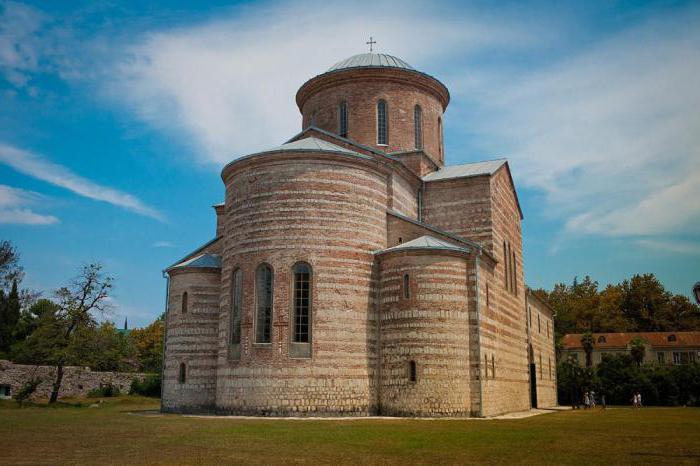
(110, 434)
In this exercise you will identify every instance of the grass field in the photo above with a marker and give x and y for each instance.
(115, 433)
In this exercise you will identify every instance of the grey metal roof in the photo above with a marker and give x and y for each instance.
(425, 242)
(371, 60)
(488, 167)
(202, 261)
(312, 143)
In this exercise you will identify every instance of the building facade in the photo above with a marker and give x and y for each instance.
(668, 348)
(352, 272)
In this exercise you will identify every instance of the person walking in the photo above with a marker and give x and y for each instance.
(592, 398)
(639, 399)
(586, 400)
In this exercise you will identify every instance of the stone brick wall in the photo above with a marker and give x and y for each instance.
(77, 381)
(542, 340)
(327, 211)
(191, 339)
(430, 328)
(362, 89)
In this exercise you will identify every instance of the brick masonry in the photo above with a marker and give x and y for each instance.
(463, 323)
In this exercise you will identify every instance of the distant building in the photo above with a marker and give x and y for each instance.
(661, 347)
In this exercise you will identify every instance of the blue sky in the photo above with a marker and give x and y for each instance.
(116, 118)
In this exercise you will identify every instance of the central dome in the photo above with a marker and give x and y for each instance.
(371, 60)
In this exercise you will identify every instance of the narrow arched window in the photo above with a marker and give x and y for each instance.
(550, 367)
(493, 366)
(418, 126)
(343, 119)
(505, 265)
(236, 306)
(539, 324)
(440, 138)
(515, 275)
(182, 373)
(412, 371)
(486, 366)
(184, 302)
(406, 286)
(263, 295)
(382, 127)
(302, 303)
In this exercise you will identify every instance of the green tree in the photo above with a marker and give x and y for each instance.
(86, 295)
(148, 342)
(637, 350)
(588, 344)
(9, 316)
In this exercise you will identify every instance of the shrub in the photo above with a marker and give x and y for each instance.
(26, 391)
(105, 391)
(150, 386)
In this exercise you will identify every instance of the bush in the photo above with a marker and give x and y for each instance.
(26, 391)
(105, 391)
(150, 386)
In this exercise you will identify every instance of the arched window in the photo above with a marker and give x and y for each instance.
(601, 339)
(671, 338)
(547, 329)
(412, 372)
(440, 138)
(184, 302)
(541, 367)
(418, 126)
(236, 306)
(263, 294)
(550, 368)
(539, 324)
(343, 119)
(486, 366)
(302, 303)
(182, 373)
(382, 129)
(515, 275)
(406, 286)
(493, 366)
(505, 265)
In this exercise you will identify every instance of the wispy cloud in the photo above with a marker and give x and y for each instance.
(14, 207)
(672, 246)
(228, 85)
(163, 244)
(37, 166)
(610, 135)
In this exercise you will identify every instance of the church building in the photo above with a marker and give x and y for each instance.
(353, 273)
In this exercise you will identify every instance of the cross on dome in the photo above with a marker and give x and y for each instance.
(370, 43)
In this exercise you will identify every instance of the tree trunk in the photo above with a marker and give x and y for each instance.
(56, 384)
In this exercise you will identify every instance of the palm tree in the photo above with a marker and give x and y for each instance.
(587, 342)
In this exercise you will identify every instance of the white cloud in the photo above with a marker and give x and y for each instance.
(14, 209)
(228, 85)
(673, 246)
(19, 25)
(34, 165)
(611, 135)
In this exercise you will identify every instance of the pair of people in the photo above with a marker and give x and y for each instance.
(589, 399)
(636, 400)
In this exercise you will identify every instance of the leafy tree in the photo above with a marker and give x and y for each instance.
(86, 295)
(10, 270)
(9, 316)
(637, 350)
(588, 344)
(148, 342)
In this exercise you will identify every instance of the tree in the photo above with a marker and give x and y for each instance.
(87, 294)
(149, 345)
(588, 343)
(10, 270)
(9, 316)
(637, 350)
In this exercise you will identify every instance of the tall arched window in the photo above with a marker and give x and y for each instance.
(382, 129)
(343, 119)
(418, 126)
(406, 286)
(182, 373)
(184, 302)
(440, 138)
(236, 306)
(263, 295)
(493, 366)
(302, 303)
(515, 275)
(412, 371)
(505, 265)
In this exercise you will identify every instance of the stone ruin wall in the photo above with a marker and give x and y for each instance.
(77, 381)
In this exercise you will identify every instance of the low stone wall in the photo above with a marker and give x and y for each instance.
(77, 381)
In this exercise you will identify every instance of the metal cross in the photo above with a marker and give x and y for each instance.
(370, 43)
